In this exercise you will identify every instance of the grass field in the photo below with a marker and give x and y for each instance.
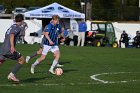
(113, 71)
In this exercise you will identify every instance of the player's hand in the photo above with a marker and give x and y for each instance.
(51, 43)
(12, 50)
(62, 40)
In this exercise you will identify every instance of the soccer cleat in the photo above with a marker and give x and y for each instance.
(32, 69)
(51, 71)
(27, 59)
(58, 65)
(12, 77)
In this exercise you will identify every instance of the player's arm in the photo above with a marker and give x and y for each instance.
(46, 33)
(47, 36)
(26, 26)
(12, 49)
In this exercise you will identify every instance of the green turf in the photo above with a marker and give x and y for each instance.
(79, 64)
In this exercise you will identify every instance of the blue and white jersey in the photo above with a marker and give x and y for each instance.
(82, 27)
(54, 31)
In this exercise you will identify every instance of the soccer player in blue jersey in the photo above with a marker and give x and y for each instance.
(39, 52)
(8, 50)
(51, 32)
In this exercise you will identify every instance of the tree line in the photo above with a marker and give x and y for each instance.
(100, 10)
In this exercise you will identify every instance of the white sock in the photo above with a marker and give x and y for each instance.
(54, 64)
(35, 63)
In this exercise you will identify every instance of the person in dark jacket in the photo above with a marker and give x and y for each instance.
(137, 40)
(124, 39)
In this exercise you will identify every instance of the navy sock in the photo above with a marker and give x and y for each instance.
(16, 68)
(33, 55)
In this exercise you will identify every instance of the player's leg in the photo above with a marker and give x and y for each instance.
(57, 56)
(43, 56)
(2, 59)
(37, 62)
(15, 56)
(56, 52)
(33, 55)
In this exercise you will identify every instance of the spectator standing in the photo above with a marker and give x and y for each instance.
(137, 39)
(81, 32)
(124, 39)
(62, 36)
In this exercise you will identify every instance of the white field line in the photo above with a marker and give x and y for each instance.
(94, 77)
(35, 84)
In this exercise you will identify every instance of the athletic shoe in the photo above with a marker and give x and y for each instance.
(27, 59)
(32, 69)
(12, 77)
(51, 71)
(58, 65)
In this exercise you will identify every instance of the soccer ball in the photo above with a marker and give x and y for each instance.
(58, 71)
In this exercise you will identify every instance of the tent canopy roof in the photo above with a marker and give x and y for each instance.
(54, 9)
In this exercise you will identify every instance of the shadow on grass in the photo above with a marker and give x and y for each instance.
(68, 62)
(62, 63)
(28, 80)
(69, 70)
(32, 80)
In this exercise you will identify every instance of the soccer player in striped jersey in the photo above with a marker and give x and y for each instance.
(8, 50)
(39, 52)
(51, 32)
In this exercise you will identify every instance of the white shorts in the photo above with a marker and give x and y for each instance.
(47, 48)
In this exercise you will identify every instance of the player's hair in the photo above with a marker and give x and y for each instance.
(19, 18)
(55, 17)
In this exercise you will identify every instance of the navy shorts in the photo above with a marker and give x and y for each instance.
(14, 56)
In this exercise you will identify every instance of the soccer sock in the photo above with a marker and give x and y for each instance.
(33, 55)
(16, 68)
(35, 63)
(54, 64)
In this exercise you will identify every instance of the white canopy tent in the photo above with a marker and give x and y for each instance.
(47, 12)
(54, 9)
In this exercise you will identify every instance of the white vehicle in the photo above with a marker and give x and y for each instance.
(19, 10)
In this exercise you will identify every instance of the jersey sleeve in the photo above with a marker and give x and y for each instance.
(60, 29)
(47, 28)
(12, 30)
(26, 26)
